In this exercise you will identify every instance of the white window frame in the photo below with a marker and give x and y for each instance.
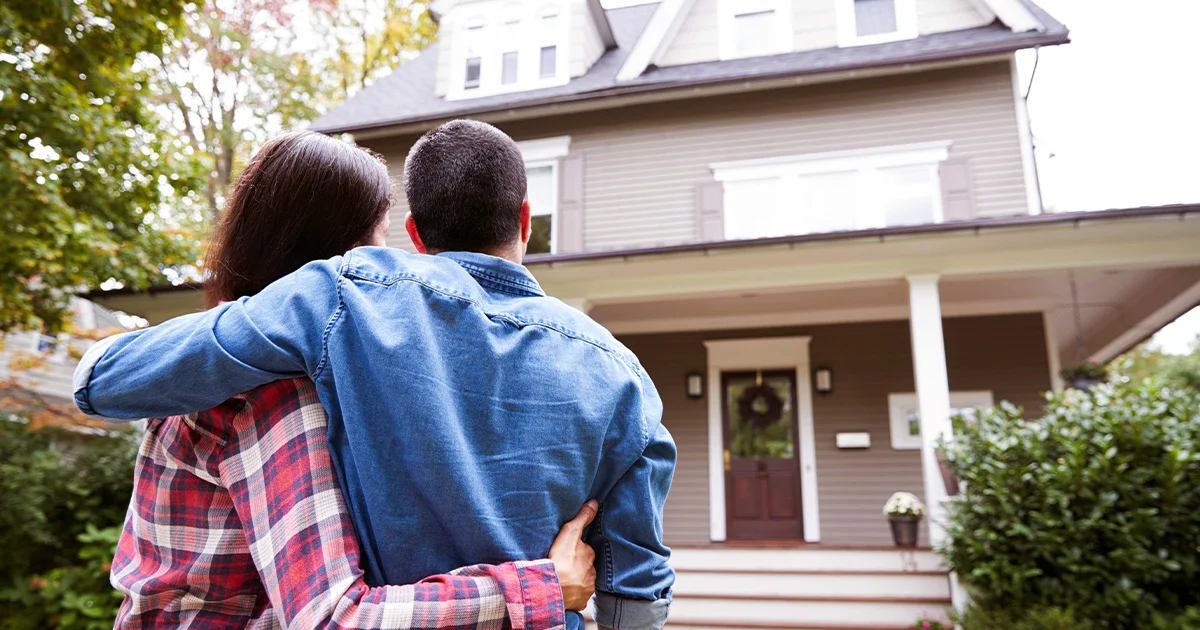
(906, 25)
(547, 152)
(496, 41)
(862, 161)
(900, 404)
(728, 10)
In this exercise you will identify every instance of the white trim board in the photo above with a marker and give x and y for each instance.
(1033, 196)
(663, 26)
(1015, 15)
(755, 354)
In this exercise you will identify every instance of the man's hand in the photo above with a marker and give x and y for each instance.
(574, 561)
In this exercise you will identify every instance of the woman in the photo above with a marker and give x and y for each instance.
(237, 520)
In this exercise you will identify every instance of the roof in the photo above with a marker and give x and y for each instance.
(1057, 218)
(408, 95)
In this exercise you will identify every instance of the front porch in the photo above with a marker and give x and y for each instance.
(923, 320)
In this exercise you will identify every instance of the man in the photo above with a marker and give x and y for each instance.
(469, 414)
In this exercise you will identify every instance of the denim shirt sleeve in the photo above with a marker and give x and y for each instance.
(633, 579)
(195, 362)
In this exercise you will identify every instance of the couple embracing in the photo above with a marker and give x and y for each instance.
(352, 436)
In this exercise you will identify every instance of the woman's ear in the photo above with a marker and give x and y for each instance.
(410, 226)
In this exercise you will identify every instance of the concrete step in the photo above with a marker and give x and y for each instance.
(922, 586)
(808, 613)
(806, 560)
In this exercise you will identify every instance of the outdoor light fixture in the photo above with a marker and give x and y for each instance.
(695, 385)
(824, 380)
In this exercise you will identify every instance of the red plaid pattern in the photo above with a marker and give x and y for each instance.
(237, 521)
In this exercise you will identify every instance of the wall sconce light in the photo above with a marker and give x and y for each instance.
(823, 378)
(695, 385)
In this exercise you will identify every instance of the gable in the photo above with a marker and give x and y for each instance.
(814, 25)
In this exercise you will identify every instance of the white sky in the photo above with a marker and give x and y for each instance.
(1116, 113)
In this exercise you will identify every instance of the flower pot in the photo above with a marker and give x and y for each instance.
(904, 530)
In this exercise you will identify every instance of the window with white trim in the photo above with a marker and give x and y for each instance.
(832, 192)
(508, 48)
(752, 28)
(904, 415)
(862, 22)
(541, 175)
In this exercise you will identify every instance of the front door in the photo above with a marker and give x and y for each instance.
(762, 477)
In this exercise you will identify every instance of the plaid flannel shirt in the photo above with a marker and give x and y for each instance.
(237, 522)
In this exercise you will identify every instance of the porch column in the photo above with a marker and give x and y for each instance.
(933, 392)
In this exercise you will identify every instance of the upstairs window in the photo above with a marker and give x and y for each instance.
(542, 158)
(876, 21)
(751, 28)
(833, 192)
(506, 48)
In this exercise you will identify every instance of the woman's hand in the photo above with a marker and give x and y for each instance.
(574, 561)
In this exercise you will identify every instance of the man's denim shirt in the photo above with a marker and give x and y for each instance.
(470, 415)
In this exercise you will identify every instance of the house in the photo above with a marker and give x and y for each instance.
(817, 223)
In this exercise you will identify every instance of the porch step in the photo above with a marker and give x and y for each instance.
(923, 586)
(806, 589)
(807, 560)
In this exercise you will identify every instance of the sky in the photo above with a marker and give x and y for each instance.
(1116, 113)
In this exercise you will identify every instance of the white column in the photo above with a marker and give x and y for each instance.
(933, 392)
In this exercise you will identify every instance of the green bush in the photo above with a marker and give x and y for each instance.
(1093, 509)
(63, 498)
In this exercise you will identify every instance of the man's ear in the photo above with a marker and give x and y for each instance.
(526, 223)
(410, 226)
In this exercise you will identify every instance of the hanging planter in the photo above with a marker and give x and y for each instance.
(1085, 375)
(904, 512)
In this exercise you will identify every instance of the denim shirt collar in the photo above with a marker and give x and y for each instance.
(497, 273)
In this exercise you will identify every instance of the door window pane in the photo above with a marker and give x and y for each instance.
(542, 203)
(760, 416)
(509, 69)
(755, 33)
(549, 62)
(875, 17)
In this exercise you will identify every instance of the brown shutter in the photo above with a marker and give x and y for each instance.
(710, 215)
(958, 200)
(570, 204)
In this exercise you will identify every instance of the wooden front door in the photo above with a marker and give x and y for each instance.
(762, 476)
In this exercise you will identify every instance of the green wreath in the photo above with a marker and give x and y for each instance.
(760, 405)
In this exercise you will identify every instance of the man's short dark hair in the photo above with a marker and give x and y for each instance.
(465, 183)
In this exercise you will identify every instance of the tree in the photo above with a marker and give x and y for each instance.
(90, 187)
(1149, 361)
(241, 71)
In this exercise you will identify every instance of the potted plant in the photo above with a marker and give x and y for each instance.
(904, 511)
(1085, 375)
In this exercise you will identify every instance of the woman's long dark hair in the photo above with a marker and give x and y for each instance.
(303, 197)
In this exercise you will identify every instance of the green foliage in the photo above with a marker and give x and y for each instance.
(977, 618)
(1147, 361)
(85, 168)
(1093, 509)
(62, 501)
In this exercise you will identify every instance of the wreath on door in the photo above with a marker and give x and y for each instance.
(760, 405)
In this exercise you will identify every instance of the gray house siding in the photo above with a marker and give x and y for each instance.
(645, 164)
(1005, 354)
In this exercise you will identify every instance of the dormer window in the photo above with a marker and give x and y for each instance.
(753, 28)
(862, 22)
(508, 48)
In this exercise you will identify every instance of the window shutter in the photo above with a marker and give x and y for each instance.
(570, 205)
(710, 214)
(958, 200)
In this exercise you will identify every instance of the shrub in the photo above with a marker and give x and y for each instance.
(63, 498)
(1093, 509)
